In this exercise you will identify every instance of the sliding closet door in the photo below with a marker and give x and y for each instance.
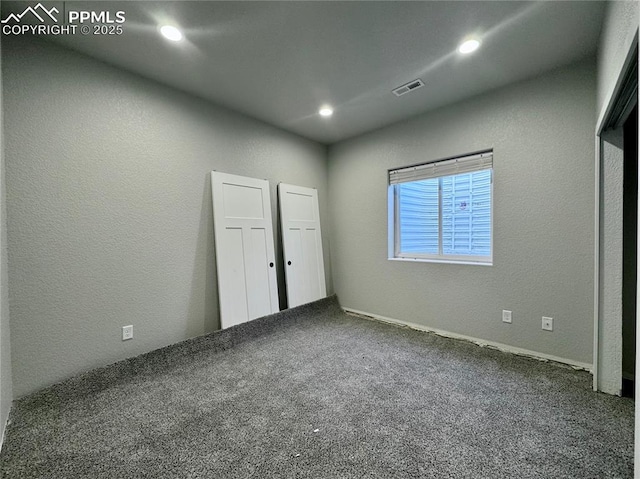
(245, 257)
(302, 244)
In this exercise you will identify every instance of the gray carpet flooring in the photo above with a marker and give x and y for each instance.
(315, 393)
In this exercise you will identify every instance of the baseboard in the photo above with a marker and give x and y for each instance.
(480, 342)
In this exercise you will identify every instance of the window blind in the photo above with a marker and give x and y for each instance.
(436, 169)
(418, 217)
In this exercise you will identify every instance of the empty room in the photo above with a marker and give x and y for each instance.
(318, 239)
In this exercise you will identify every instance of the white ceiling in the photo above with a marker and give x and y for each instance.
(279, 61)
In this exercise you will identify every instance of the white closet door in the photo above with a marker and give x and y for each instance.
(302, 244)
(245, 256)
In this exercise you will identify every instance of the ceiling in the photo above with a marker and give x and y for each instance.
(280, 61)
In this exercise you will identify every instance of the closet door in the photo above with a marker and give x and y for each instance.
(245, 256)
(302, 244)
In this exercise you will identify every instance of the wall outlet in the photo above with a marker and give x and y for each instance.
(547, 323)
(127, 332)
(506, 316)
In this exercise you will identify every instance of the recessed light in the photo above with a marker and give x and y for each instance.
(326, 111)
(171, 33)
(469, 46)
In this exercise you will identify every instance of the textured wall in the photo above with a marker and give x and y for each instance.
(6, 393)
(618, 31)
(610, 326)
(109, 207)
(542, 135)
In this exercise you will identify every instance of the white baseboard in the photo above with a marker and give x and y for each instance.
(480, 342)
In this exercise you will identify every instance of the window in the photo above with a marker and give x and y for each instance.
(442, 211)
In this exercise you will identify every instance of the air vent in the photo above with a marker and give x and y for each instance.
(406, 88)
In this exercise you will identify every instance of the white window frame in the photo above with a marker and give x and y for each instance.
(394, 253)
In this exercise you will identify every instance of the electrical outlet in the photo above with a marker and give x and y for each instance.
(506, 316)
(547, 323)
(127, 332)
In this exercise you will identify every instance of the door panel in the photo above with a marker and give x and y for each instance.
(296, 287)
(242, 201)
(258, 274)
(314, 280)
(245, 253)
(302, 244)
(232, 262)
(301, 207)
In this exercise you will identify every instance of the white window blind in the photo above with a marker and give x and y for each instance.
(436, 169)
(418, 216)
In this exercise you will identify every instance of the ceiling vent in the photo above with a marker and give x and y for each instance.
(407, 87)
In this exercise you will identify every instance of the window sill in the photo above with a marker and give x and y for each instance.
(443, 261)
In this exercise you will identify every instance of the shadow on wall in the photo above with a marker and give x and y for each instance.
(203, 303)
(282, 285)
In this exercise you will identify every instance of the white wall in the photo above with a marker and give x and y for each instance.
(6, 391)
(541, 132)
(109, 207)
